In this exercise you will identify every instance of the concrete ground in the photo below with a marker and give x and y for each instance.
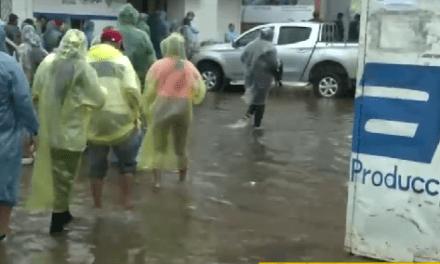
(278, 194)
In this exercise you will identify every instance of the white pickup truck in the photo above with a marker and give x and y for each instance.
(308, 50)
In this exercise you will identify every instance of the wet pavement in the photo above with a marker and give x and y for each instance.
(278, 194)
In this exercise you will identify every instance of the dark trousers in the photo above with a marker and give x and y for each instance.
(257, 111)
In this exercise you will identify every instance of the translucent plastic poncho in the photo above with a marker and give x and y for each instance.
(173, 86)
(52, 36)
(261, 62)
(67, 90)
(16, 113)
(142, 23)
(3, 40)
(31, 52)
(117, 119)
(137, 44)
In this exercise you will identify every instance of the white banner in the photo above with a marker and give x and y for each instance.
(277, 14)
(79, 7)
(393, 206)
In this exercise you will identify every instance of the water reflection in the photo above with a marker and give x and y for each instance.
(253, 195)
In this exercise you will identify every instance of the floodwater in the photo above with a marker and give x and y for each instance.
(278, 194)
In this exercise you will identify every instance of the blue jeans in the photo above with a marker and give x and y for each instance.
(125, 152)
(113, 156)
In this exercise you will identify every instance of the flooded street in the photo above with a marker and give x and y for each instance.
(278, 194)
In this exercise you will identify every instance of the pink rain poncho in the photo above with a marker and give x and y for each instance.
(173, 85)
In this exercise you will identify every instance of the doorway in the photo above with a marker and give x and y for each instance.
(76, 24)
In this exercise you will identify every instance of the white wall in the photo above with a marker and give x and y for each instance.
(206, 17)
(101, 24)
(229, 11)
(277, 14)
(306, 2)
(23, 9)
(333, 7)
(56, 6)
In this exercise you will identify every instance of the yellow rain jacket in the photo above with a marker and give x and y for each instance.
(67, 90)
(119, 116)
(173, 85)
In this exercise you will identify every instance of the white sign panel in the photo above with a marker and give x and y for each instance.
(277, 14)
(79, 7)
(394, 207)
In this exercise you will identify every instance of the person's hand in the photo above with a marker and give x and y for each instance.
(36, 142)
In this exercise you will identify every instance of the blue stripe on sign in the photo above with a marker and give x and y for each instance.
(422, 147)
(402, 76)
(66, 17)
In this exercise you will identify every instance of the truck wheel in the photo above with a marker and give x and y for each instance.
(212, 75)
(329, 85)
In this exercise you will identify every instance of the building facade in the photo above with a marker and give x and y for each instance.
(212, 16)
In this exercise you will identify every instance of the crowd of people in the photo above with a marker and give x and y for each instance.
(112, 93)
(353, 28)
(156, 25)
(101, 98)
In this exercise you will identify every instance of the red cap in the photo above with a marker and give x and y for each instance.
(111, 35)
(59, 23)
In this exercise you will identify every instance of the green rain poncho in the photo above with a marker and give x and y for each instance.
(173, 86)
(142, 23)
(137, 44)
(67, 90)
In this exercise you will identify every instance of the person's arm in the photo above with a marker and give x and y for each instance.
(198, 89)
(272, 61)
(17, 37)
(151, 53)
(194, 28)
(38, 82)
(244, 56)
(150, 93)
(21, 99)
(131, 88)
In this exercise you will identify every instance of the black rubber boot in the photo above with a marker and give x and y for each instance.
(59, 221)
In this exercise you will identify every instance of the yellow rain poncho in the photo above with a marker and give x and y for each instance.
(117, 119)
(173, 85)
(67, 90)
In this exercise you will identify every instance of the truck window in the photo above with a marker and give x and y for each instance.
(248, 38)
(291, 35)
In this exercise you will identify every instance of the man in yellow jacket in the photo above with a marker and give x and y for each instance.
(115, 126)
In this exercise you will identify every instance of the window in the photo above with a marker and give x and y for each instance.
(246, 39)
(291, 35)
(329, 33)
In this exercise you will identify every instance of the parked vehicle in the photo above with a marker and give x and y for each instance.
(308, 50)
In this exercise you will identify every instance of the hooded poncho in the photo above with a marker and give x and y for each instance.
(260, 60)
(68, 91)
(137, 45)
(30, 52)
(173, 86)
